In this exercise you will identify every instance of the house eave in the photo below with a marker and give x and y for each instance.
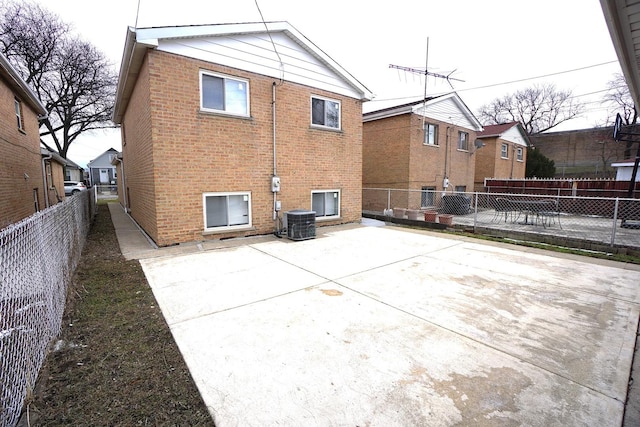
(11, 75)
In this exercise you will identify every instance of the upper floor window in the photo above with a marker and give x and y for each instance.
(325, 112)
(224, 94)
(504, 151)
(430, 134)
(18, 106)
(519, 154)
(463, 141)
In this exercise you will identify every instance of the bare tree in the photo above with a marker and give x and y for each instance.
(538, 108)
(72, 78)
(619, 100)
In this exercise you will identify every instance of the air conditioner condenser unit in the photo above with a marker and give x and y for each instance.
(301, 224)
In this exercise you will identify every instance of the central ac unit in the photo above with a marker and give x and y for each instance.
(301, 224)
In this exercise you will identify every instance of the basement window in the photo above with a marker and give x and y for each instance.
(227, 211)
(326, 203)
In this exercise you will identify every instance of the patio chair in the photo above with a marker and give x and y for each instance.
(503, 206)
(549, 216)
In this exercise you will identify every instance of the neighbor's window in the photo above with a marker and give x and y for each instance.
(504, 151)
(430, 134)
(326, 203)
(18, 106)
(463, 141)
(325, 112)
(519, 154)
(427, 197)
(226, 210)
(225, 94)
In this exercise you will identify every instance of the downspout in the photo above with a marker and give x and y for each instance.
(275, 168)
(44, 180)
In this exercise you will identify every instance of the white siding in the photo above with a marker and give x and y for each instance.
(514, 135)
(254, 53)
(449, 111)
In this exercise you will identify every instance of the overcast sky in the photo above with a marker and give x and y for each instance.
(489, 43)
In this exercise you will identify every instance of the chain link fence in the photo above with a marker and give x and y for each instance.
(38, 256)
(585, 222)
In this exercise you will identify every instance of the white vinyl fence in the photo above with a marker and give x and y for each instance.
(38, 256)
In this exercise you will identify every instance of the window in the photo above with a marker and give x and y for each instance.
(463, 141)
(461, 188)
(427, 197)
(519, 154)
(18, 106)
(226, 211)
(224, 94)
(430, 134)
(325, 112)
(504, 151)
(326, 203)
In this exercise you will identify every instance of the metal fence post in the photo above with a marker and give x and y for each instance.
(388, 198)
(475, 212)
(615, 221)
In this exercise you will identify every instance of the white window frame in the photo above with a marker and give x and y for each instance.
(504, 151)
(325, 192)
(220, 228)
(465, 146)
(225, 79)
(426, 141)
(520, 154)
(325, 100)
(20, 120)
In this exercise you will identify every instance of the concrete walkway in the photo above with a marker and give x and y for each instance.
(383, 326)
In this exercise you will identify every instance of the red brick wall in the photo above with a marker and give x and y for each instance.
(396, 157)
(174, 152)
(583, 153)
(20, 156)
(137, 149)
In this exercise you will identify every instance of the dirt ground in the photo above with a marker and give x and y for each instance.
(116, 363)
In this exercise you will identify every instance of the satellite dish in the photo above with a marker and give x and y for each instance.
(478, 144)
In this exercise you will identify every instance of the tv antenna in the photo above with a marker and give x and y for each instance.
(426, 74)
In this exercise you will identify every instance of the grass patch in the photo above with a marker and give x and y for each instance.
(116, 362)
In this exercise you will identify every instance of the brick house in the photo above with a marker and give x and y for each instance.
(226, 127)
(53, 167)
(22, 184)
(503, 153)
(424, 146)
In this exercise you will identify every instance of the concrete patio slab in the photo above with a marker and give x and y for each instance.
(380, 326)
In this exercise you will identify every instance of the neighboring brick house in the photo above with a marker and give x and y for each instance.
(424, 146)
(22, 187)
(212, 115)
(582, 153)
(503, 153)
(53, 166)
